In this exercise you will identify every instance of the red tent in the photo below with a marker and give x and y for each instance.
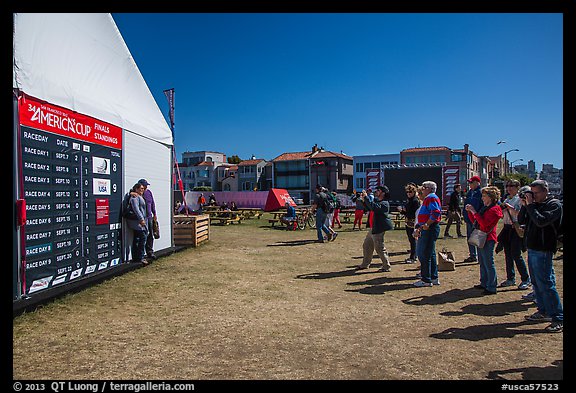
(277, 198)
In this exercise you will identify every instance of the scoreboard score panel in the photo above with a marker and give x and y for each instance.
(71, 182)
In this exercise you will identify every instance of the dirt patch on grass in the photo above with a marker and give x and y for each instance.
(262, 303)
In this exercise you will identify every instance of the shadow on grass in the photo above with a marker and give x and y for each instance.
(553, 372)
(325, 275)
(390, 254)
(451, 296)
(488, 332)
(291, 243)
(492, 310)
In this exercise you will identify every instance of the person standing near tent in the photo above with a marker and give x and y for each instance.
(138, 224)
(150, 218)
(201, 202)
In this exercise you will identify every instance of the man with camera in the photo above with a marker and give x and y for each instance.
(541, 214)
(510, 239)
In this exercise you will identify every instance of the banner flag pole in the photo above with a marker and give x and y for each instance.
(169, 93)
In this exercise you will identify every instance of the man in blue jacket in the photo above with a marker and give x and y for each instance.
(474, 198)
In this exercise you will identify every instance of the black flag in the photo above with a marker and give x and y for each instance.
(170, 96)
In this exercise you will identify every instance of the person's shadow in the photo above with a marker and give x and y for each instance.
(552, 372)
(292, 243)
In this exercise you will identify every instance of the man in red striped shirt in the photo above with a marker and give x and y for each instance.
(427, 229)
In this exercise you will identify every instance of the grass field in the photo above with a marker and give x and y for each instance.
(262, 303)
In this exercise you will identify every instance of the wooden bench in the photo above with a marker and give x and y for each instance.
(273, 221)
(226, 220)
(398, 220)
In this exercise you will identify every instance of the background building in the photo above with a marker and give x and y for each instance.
(372, 161)
(554, 177)
(197, 169)
(251, 175)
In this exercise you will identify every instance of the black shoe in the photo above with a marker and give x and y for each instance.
(152, 257)
(479, 286)
(471, 259)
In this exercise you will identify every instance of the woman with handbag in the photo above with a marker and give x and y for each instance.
(485, 222)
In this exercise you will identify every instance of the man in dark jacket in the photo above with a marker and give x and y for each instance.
(542, 215)
(474, 198)
(381, 222)
(454, 211)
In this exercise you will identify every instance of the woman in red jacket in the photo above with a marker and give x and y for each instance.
(486, 220)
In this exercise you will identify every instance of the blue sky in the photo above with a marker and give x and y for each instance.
(264, 84)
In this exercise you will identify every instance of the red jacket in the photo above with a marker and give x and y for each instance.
(488, 221)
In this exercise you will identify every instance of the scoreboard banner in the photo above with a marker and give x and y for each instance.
(372, 178)
(71, 182)
(450, 176)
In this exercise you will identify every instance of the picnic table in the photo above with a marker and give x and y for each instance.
(397, 219)
(249, 212)
(304, 217)
(232, 219)
(347, 214)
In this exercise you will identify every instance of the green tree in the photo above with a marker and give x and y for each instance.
(234, 160)
(522, 178)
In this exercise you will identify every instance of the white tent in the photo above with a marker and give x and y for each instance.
(80, 62)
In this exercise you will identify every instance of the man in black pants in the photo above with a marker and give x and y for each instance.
(454, 211)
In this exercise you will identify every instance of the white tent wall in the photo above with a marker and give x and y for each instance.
(150, 160)
(81, 63)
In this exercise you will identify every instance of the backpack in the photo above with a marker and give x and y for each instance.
(329, 203)
(127, 211)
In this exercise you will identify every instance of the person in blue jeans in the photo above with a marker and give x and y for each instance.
(427, 230)
(542, 215)
(321, 216)
(487, 219)
(474, 198)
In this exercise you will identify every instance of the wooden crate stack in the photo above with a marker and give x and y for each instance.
(191, 230)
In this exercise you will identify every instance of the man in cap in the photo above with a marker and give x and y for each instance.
(374, 240)
(150, 218)
(474, 198)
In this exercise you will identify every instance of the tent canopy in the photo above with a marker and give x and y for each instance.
(277, 198)
(81, 62)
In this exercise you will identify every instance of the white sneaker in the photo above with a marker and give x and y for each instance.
(436, 281)
(421, 283)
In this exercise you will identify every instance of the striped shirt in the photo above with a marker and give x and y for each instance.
(431, 209)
